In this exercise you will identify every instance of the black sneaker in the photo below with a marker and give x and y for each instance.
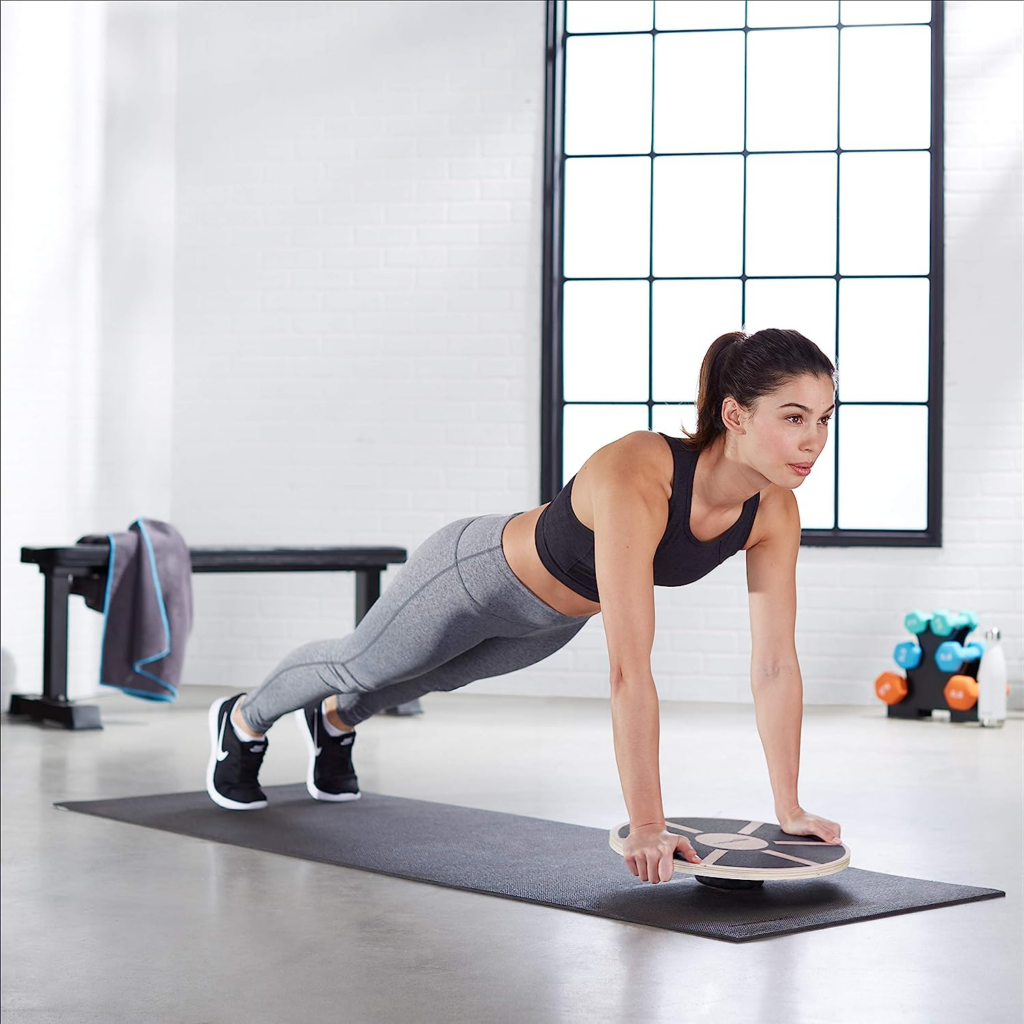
(330, 775)
(231, 775)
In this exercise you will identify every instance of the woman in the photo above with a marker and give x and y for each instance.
(490, 594)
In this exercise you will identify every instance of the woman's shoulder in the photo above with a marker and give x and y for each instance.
(644, 452)
(640, 458)
(777, 515)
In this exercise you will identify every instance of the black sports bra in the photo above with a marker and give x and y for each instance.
(566, 546)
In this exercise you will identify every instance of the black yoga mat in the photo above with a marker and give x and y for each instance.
(530, 859)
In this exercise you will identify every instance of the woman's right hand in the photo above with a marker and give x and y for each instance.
(650, 849)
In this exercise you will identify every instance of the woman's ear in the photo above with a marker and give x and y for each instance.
(734, 416)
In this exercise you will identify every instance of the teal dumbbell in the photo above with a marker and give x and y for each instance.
(907, 655)
(917, 621)
(951, 655)
(945, 623)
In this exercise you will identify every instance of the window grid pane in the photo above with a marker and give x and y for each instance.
(669, 408)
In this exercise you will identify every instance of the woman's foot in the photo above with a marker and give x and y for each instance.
(330, 775)
(232, 772)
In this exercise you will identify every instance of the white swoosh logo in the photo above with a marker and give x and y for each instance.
(222, 753)
(316, 726)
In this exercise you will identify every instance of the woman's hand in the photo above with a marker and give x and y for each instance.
(650, 849)
(799, 823)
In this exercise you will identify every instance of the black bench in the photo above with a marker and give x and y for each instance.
(59, 565)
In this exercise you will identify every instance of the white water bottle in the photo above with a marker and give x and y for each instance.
(992, 681)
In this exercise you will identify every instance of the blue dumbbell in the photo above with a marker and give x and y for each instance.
(917, 621)
(951, 655)
(946, 623)
(907, 655)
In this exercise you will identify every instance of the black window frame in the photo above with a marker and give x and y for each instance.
(552, 381)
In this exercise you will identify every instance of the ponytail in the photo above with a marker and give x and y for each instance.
(748, 367)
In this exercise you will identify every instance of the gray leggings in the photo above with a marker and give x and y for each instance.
(453, 613)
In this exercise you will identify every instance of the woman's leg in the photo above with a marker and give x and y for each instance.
(455, 592)
(495, 656)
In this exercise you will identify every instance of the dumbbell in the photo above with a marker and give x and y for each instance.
(917, 621)
(945, 623)
(950, 655)
(891, 687)
(907, 655)
(961, 693)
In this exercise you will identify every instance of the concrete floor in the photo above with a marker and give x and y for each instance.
(104, 921)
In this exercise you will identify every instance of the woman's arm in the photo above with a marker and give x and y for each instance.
(775, 679)
(778, 704)
(635, 728)
(630, 511)
(650, 849)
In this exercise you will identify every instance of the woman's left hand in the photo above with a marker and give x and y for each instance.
(799, 823)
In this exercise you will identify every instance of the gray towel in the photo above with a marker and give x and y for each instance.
(146, 599)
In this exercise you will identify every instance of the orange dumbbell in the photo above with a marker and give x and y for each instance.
(961, 693)
(891, 687)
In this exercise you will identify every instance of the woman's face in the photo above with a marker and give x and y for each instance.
(789, 429)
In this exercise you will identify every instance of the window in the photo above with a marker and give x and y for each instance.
(717, 165)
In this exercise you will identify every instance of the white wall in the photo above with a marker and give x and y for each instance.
(358, 294)
(88, 243)
(357, 340)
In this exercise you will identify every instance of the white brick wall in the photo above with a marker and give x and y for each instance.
(359, 267)
(88, 249)
(357, 339)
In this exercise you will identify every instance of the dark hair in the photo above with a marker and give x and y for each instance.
(748, 367)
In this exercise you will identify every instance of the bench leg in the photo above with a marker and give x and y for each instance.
(367, 591)
(64, 712)
(54, 705)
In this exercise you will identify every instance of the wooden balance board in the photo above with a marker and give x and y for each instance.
(738, 854)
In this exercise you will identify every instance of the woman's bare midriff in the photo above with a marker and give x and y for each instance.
(518, 540)
(520, 546)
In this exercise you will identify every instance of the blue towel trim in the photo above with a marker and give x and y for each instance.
(137, 666)
(144, 694)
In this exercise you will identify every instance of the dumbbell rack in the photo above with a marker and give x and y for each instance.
(925, 684)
